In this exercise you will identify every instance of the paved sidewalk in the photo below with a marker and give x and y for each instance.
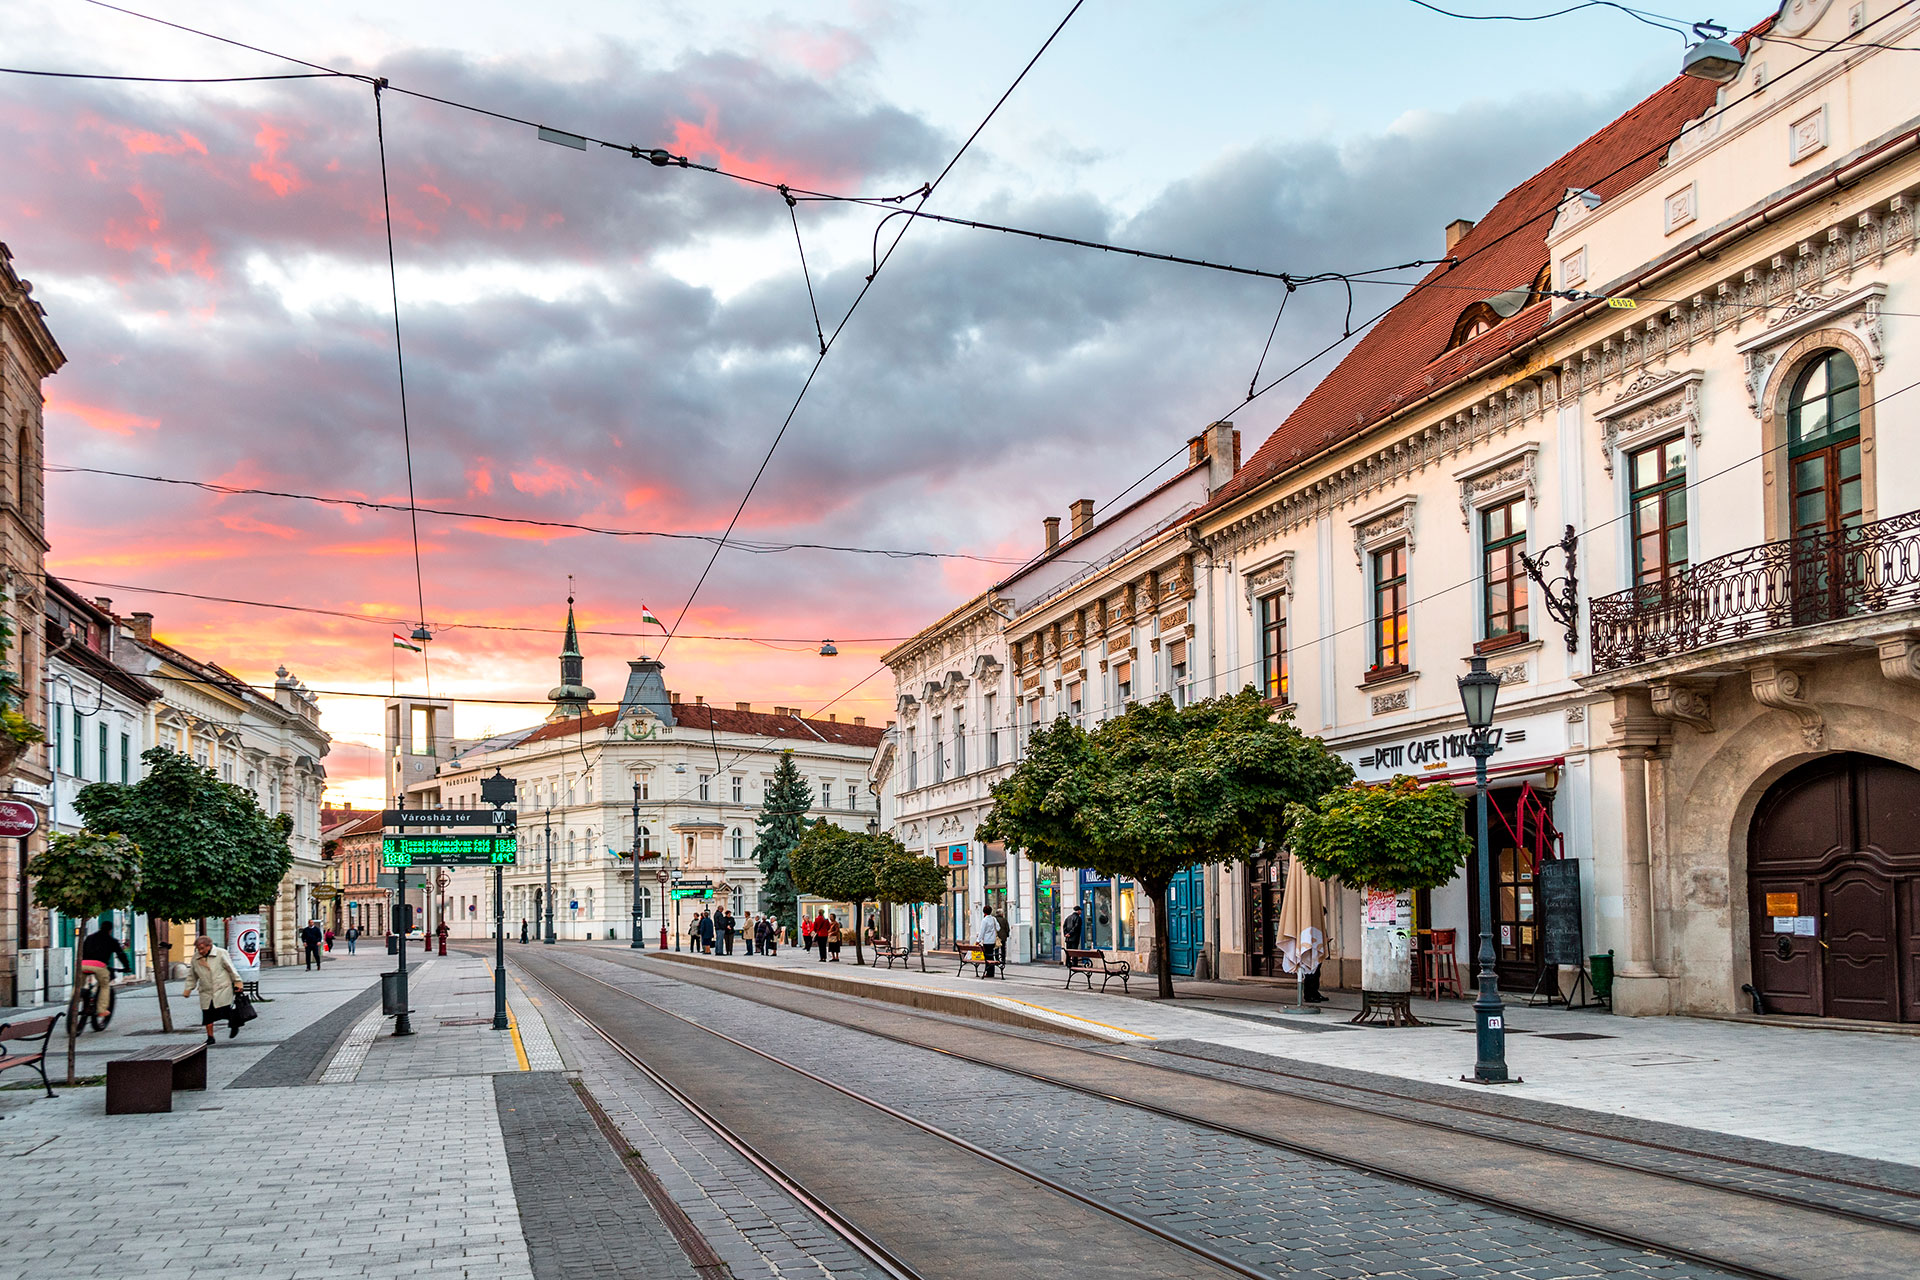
(1828, 1089)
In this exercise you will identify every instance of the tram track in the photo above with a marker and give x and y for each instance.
(1759, 1266)
(762, 989)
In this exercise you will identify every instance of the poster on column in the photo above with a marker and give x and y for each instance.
(245, 951)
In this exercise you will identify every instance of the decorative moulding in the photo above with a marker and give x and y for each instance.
(1654, 404)
(1498, 480)
(1383, 527)
(1688, 703)
(1855, 309)
(1269, 578)
(1785, 689)
(1392, 701)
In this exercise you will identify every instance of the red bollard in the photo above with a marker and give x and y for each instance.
(663, 937)
(443, 944)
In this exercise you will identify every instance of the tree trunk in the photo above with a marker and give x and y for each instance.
(73, 1026)
(1157, 895)
(157, 957)
(859, 932)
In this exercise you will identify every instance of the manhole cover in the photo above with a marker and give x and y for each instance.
(1575, 1035)
(465, 1022)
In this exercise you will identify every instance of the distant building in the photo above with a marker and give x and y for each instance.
(350, 846)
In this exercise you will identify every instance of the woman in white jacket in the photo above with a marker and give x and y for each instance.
(212, 974)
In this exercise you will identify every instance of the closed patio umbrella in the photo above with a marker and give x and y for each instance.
(1301, 929)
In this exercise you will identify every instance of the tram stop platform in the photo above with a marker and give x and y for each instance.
(1812, 1086)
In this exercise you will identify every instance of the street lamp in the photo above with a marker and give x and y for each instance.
(1479, 690)
(548, 939)
(638, 944)
(1712, 59)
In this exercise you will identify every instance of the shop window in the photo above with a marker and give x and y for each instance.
(956, 903)
(1503, 540)
(1391, 632)
(1657, 480)
(1273, 647)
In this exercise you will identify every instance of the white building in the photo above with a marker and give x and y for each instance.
(1710, 706)
(692, 776)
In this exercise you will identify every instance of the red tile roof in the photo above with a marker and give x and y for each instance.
(700, 715)
(1403, 357)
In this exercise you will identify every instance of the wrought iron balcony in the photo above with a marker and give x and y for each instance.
(1775, 586)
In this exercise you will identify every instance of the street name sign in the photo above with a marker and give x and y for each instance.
(448, 851)
(449, 817)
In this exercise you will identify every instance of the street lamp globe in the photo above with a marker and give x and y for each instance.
(1712, 59)
(873, 826)
(1479, 690)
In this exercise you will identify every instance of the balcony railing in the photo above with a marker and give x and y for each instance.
(1776, 586)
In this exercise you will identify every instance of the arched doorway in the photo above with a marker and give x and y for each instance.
(1833, 874)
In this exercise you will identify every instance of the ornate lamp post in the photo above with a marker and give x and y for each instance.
(1479, 690)
(638, 943)
(548, 937)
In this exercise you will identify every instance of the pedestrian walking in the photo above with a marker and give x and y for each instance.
(353, 936)
(311, 937)
(820, 935)
(1070, 929)
(212, 975)
(833, 940)
(523, 930)
(987, 937)
(329, 941)
(727, 926)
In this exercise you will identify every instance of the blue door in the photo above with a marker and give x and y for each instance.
(1186, 926)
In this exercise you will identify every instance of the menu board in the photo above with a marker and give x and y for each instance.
(1559, 907)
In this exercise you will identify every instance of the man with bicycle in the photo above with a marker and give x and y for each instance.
(98, 953)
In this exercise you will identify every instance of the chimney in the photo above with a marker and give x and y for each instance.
(1052, 525)
(142, 624)
(1457, 231)
(743, 706)
(1081, 513)
(672, 697)
(833, 717)
(699, 701)
(1196, 450)
(859, 722)
(1223, 455)
(103, 604)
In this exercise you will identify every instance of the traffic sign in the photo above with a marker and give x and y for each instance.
(449, 817)
(18, 820)
(455, 851)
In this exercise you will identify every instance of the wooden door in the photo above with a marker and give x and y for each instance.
(1861, 971)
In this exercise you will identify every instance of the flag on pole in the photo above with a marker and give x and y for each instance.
(646, 615)
(401, 642)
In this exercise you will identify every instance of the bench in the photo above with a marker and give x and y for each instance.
(979, 955)
(40, 1029)
(143, 1082)
(887, 952)
(1084, 964)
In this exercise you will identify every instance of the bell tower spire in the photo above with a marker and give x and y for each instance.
(570, 697)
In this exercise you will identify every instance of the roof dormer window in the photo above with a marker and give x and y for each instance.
(1484, 316)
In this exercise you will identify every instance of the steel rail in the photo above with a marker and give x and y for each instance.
(1222, 1260)
(1834, 1210)
(1545, 1216)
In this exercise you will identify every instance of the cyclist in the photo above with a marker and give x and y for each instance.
(97, 956)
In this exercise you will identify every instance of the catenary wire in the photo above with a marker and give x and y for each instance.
(1659, 22)
(98, 75)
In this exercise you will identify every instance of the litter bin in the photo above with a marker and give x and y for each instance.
(390, 1002)
(1601, 968)
(393, 944)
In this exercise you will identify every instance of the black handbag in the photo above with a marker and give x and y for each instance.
(243, 1011)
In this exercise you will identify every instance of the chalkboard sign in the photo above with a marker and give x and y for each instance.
(1559, 891)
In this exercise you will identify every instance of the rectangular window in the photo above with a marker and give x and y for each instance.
(1390, 630)
(939, 753)
(739, 788)
(1073, 701)
(59, 740)
(959, 749)
(1503, 533)
(126, 753)
(80, 747)
(646, 787)
(853, 796)
(1657, 482)
(993, 734)
(826, 795)
(1177, 671)
(706, 786)
(913, 763)
(1273, 647)
(587, 785)
(102, 775)
(1122, 682)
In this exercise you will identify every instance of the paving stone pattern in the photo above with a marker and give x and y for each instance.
(1800, 1173)
(301, 1056)
(583, 1215)
(755, 1227)
(1266, 1206)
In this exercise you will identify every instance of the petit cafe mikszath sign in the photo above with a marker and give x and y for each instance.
(1425, 751)
(448, 851)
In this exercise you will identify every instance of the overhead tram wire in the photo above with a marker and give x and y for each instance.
(925, 194)
(98, 75)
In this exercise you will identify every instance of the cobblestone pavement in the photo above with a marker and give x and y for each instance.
(1266, 1206)
(1742, 1079)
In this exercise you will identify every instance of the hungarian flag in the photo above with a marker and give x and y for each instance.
(401, 642)
(646, 615)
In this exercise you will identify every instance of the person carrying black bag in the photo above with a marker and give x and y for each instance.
(221, 993)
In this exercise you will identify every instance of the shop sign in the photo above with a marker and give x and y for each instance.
(1421, 752)
(956, 855)
(1783, 904)
(17, 820)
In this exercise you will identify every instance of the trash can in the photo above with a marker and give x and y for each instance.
(390, 1001)
(1601, 968)
(393, 944)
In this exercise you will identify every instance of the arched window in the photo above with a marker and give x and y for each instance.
(1823, 445)
(646, 902)
(1475, 320)
(22, 467)
(646, 840)
(569, 846)
(739, 843)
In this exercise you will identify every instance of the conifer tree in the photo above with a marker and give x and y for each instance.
(781, 821)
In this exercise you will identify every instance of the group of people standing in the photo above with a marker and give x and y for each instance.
(713, 932)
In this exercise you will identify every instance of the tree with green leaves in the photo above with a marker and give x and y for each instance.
(82, 876)
(1401, 835)
(206, 846)
(781, 821)
(844, 866)
(1159, 789)
(911, 881)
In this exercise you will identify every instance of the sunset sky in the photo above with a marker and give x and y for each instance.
(593, 339)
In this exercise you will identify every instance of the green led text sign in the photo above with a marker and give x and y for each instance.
(456, 851)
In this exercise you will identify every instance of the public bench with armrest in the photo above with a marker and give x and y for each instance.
(1087, 963)
(144, 1082)
(980, 955)
(40, 1029)
(886, 950)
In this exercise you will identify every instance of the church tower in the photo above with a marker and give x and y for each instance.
(571, 698)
